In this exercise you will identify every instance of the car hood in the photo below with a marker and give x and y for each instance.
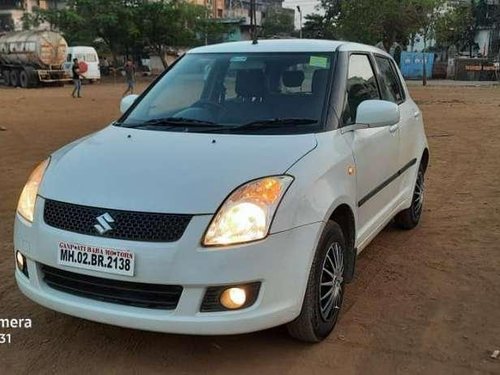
(166, 172)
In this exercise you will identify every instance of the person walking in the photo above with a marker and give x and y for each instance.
(129, 69)
(104, 66)
(76, 79)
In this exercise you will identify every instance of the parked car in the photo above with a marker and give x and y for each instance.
(230, 199)
(87, 55)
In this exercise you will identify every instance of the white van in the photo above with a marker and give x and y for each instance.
(87, 54)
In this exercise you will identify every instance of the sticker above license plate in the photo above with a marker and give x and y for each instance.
(96, 258)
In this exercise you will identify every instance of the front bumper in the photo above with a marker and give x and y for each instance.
(281, 263)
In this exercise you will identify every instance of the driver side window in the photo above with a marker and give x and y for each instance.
(190, 80)
(361, 86)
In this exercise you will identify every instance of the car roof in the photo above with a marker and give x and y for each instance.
(82, 48)
(286, 45)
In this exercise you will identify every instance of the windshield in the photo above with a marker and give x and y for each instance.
(227, 92)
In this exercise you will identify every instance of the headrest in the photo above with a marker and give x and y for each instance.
(250, 83)
(320, 76)
(293, 78)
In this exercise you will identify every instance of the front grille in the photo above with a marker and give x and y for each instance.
(152, 296)
(126, 225)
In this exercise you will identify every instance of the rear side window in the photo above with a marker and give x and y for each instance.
(361, 86)
(90, 57)
(390, 86)
(283, 79)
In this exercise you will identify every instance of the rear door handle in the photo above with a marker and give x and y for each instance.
(416, 114)
(393, 128)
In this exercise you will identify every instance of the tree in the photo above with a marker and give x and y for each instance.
(317, 26)
(127, 25)
(370, 22)
(278, 22)
(389, 21)
(163, 24)
(157, 23)
(85, 21)
(325, 25)
(452, 27)
(458, 26)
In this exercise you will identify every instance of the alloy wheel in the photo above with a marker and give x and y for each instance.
(418, 195)
(330, 290)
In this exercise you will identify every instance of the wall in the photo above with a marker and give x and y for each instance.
(412, 65)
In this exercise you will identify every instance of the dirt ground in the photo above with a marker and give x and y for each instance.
(424, 301)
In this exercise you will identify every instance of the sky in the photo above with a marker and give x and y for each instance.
(307, 7)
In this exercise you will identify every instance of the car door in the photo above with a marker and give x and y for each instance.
(391, 89)
(68, 64)
(375, 150)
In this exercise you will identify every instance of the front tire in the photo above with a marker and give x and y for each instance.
(409, 218)
(325, 288)
(14, 78)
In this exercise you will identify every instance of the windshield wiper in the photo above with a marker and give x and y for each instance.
(269, 124)
(173, 122)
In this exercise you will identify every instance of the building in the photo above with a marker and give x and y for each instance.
(12, 11)
(238, 13)
(215, 8)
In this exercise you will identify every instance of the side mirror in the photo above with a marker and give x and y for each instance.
(127, 102)
(377, 113)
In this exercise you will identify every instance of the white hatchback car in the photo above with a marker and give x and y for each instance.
(232, 196)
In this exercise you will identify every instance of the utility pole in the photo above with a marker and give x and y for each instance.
(253, 21)
(300, 21)
(424, 75)
(207, 5)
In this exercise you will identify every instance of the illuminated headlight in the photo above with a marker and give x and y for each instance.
(247, 213)
(26, 204)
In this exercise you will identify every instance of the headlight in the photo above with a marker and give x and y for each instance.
(26, 204)
(247, 213)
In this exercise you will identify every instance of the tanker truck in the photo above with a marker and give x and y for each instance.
(32, 58)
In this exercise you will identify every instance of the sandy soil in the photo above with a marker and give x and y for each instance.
(425, 301)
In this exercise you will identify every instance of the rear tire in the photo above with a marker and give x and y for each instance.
(409, 218)
(325, 288)
(14, 78)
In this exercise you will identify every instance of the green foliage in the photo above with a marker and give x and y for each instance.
(278, 22)
(326, 25)
(367, 21)
(386, 20)
(459, 25)
(453, 27)
(127, 25)
(316, 26)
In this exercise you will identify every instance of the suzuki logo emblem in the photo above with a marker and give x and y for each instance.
(104, 221)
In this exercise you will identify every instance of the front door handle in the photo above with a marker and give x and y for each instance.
(416, 114)
(393, 128)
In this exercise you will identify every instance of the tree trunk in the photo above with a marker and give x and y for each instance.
(162, 53)
(424, 75)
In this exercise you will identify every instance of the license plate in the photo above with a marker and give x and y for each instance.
(96, 258)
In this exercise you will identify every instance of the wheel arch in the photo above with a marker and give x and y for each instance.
(343, 215)
(424, 161)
